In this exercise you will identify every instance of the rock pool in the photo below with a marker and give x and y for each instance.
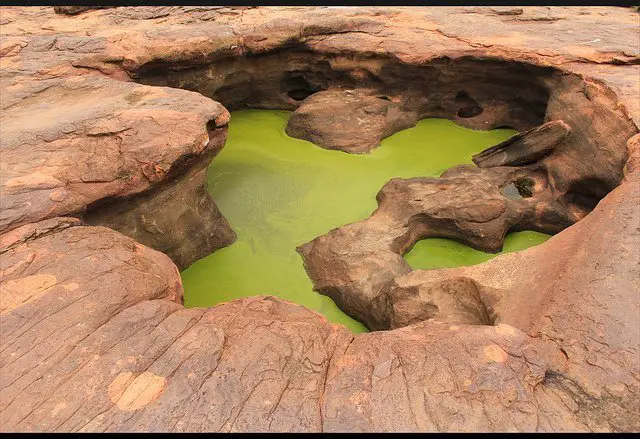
(278, 192)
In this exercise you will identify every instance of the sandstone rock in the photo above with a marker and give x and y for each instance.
(439, 377)
(92, 338)
(102, 345)
(97, 139)
(633, 163)
(350, 120)
(524, 148)
(353, 263)
(578, 289)
(178, 217)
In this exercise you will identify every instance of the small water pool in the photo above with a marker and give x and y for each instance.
(433, 253)
(278, 192)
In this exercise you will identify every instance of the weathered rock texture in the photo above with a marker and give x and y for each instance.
(518, 67)
(348, 120)
(524, 148)
(177, 217)
(74, 10)
(92, 334)
(71, 142)
(579, 290)
(102, 345)
(353, 264)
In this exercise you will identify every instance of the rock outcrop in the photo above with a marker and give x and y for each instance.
(94, 140)
(348, 120)
(76, 356)
(93, 336)
(92, 339)
(352, 264)
(524, 148)
(177, 217)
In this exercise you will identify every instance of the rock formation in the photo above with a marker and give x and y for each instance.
(524, 148)
(348, 120)
(96, 140)
(352, 264)
(102, 126)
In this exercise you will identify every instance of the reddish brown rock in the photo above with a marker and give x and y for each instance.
(177, 217)
(92, 338)
(97, 139)
(427, 60)
(347, 120)
(439, 377)
(352, 264)
(633, 163)
(142, 362)
(74, 10)
(579, 290)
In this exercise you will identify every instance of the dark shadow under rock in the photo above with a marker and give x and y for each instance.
(178, 218)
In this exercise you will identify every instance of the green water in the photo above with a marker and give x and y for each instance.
(278, 192)
(432, 253)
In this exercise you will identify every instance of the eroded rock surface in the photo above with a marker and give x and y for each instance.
(524, 148)
(177, 217)
(68, 143)
(92, 334)
(353, 263)
(350, 120)
(426, 62)
(93, 340)
(579, 289)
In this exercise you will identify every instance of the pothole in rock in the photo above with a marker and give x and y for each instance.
(522, 187)
(278, 192)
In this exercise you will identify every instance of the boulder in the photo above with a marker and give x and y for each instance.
(348, 120)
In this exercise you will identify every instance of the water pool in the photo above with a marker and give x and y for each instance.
(278, 192)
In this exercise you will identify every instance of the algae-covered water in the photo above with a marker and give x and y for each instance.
(278, 192)
(432, 253)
